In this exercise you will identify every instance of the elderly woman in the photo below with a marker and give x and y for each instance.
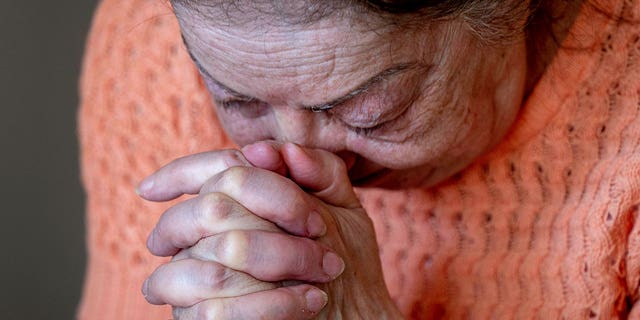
(492, 144)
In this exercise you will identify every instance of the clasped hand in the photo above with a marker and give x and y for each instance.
(275, 232)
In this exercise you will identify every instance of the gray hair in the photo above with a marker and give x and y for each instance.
(493, 21)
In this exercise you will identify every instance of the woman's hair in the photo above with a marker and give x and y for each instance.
(490, 20)
(440, 8)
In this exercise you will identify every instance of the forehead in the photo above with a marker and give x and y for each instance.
(302, 63)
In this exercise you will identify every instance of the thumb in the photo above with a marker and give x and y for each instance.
(266, 155)
(321, 172)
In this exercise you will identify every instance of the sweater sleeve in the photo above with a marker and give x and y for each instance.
(546, 224)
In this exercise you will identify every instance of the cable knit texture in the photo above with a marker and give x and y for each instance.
(544, 226)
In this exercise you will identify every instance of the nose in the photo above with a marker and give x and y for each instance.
(307, 128)
(295, 125)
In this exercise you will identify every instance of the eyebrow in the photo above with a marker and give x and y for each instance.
(362, 88)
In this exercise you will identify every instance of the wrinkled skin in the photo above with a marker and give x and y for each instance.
(454, 101)
(234, 244)
(276, 221)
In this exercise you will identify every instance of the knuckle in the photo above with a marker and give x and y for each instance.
(215, 276)
(231, 248)
(209, 310)
(290, 217)
(235, 176)
(298, 209)
(211, 208)
(200, 251)
(228, 180)
(233, 157)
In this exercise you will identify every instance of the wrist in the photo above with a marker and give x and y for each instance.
(352, 301)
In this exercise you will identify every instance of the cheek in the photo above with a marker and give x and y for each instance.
(409, 152)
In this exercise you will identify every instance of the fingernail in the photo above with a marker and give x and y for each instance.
(145, 186)
(316, 300)
(145, 287)
(253, 147)
(151, 239)
(299, 149)
(315, 225)
(332, 264)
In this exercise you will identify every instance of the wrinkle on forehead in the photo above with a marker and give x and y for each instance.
(325, 57)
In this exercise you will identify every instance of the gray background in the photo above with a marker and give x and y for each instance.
(42, 223)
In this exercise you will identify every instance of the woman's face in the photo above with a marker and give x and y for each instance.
(414, 105)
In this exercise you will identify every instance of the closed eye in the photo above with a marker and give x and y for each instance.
(367, 131)
(247, 108)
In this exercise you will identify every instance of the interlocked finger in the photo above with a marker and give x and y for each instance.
(271, 197)
(269, 256)
(186, 282)
(186, 175)
(184, 224)
(287, 303)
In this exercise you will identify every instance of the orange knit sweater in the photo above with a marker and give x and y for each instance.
(543, 226)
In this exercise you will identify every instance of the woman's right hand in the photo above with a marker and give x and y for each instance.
(246, 231)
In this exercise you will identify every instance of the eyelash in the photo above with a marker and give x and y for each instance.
(245, 108)
(234, 105)
(362, 131)
(366, 131)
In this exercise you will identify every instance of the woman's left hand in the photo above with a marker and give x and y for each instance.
(322, 183)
